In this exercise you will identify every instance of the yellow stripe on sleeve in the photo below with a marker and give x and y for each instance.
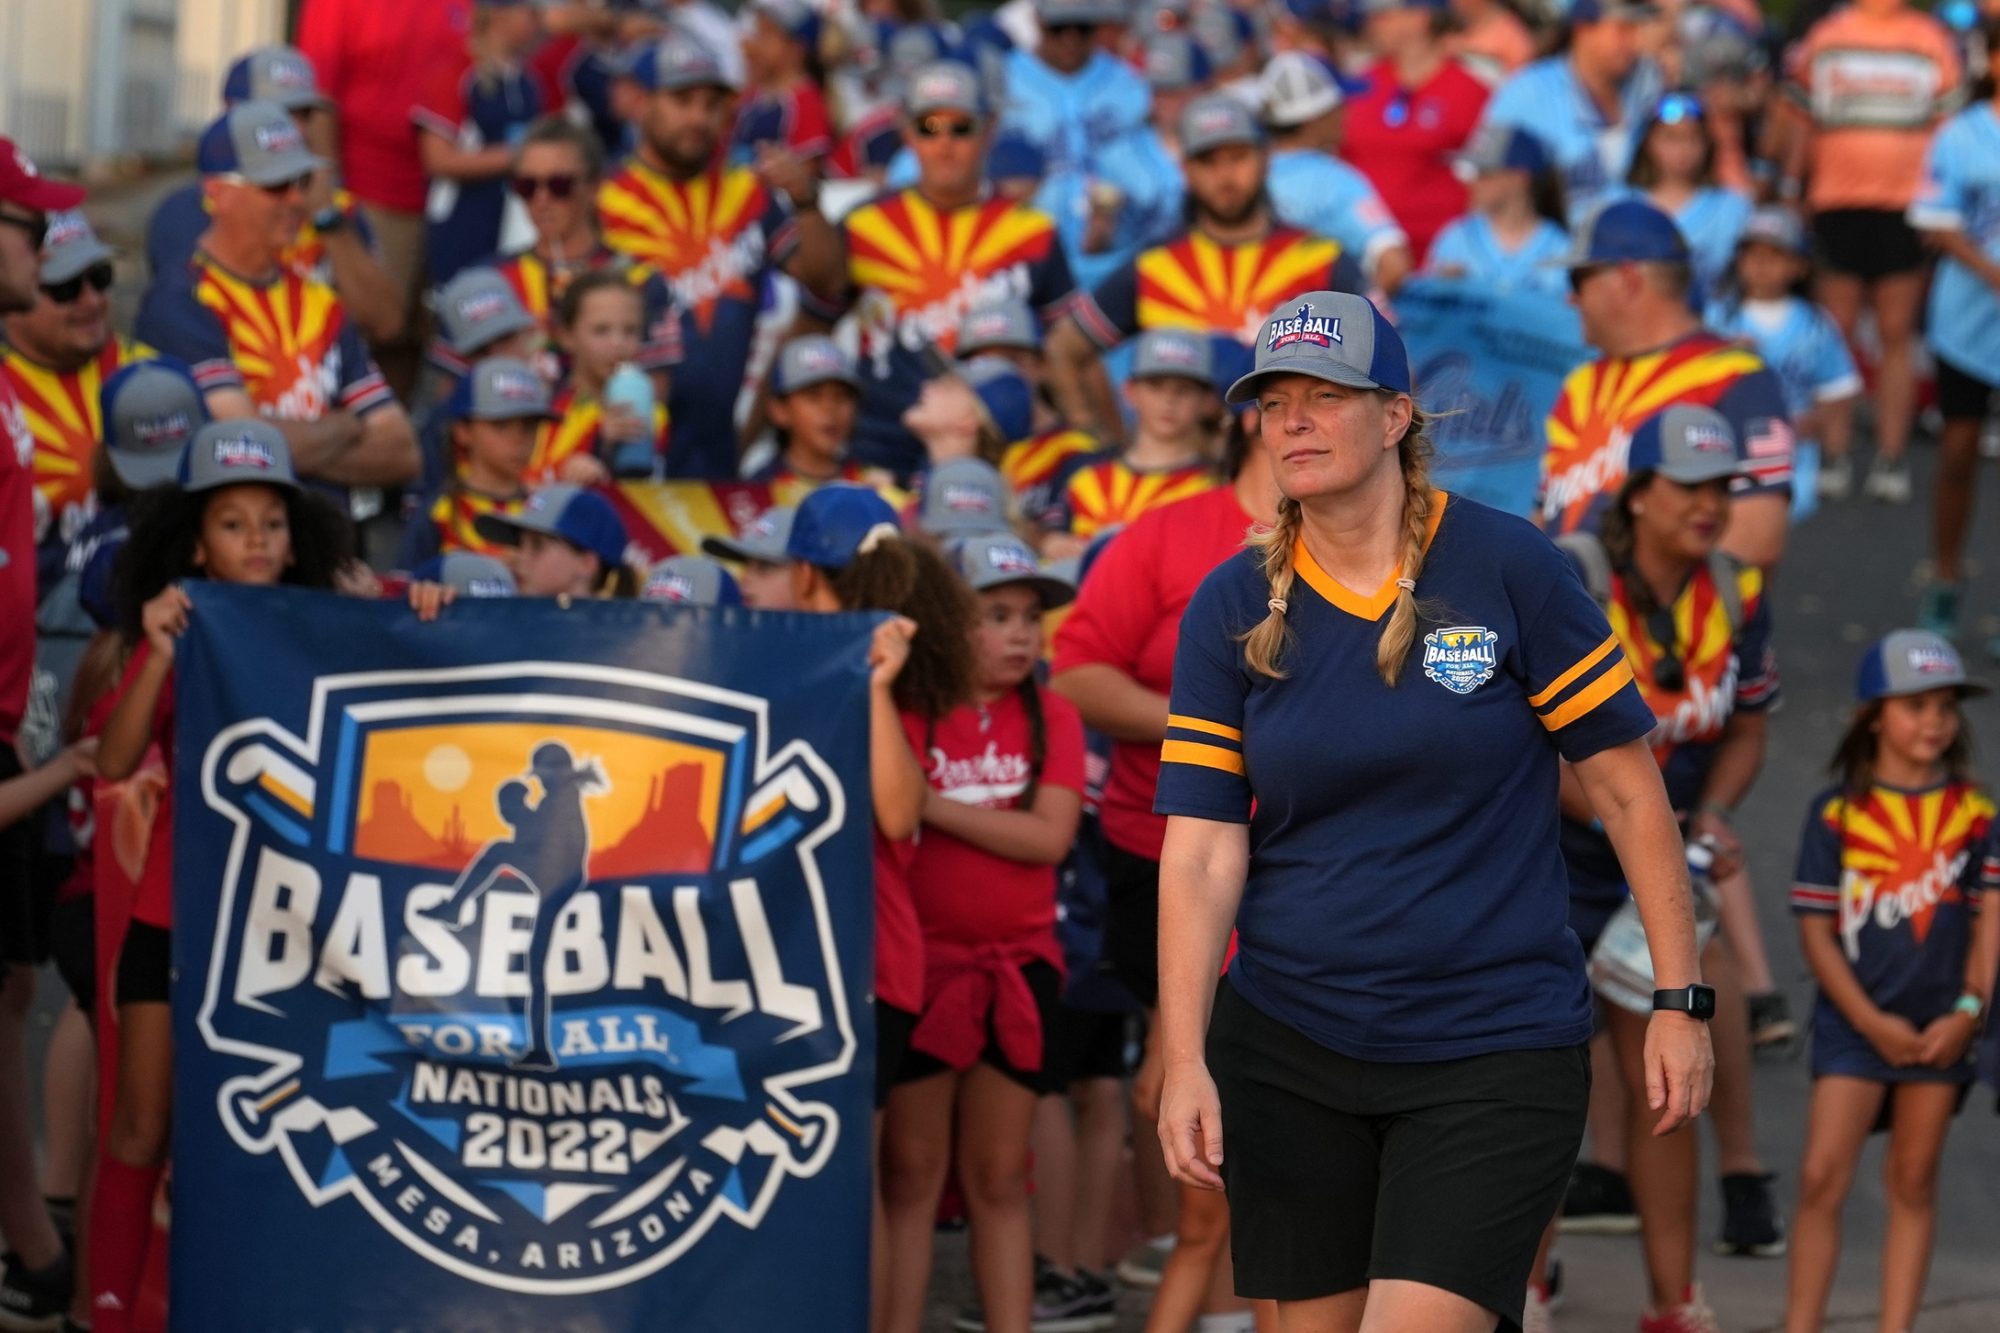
(1204, 756)
(1569, 677)
(1186, 723)
(1585, 700)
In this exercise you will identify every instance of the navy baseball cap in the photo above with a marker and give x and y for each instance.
(468, 574)
(995, 559)
(500, 389)
(237, 452)
(582, 518)
(1615, 11)
(1627, 231)
(1498, 147)
(963, 497)
(1334, 336)
(1004, 396)
(280, 74)
(1686, 443)
(676, 62)
(258, 141)
(1175, 61)
(838, 522)
(1014, 156)
(813, 358)
(762, 541)
(691, 580)
(1912, 661)
(795, 18)
(150, 410)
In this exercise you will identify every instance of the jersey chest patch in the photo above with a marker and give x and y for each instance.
(1461, 658)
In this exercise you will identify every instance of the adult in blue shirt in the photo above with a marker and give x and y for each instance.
(1368, 794)
(1069, 94)
(1310, 187)
(1588, 102)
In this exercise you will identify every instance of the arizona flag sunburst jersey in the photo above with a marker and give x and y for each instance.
(714, 238)
(449, 524)
(541, 289)
(1602, 403)
(286, 342)
(1902, 873)
(913, 272)
(1037, 470)
(1204, 286)
(62, 413)
(1107, 492)
(578, 428)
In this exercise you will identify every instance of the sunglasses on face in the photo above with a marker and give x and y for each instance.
(1578, 277)
(35, 225)
(98, 276)
(557, 187)
(1069, 30)
(1668, 671)
(937, 127)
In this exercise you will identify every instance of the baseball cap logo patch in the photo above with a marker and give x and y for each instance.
(65, 228)
(967, 500)
(243, 452)
(819, 359)
(1706, 439)
(1011, 560)
(163, 432)
(670, 588)
(286, 73)
(279, 137)
(938, 87)
(516, 387)
(1176, 352)
(1215, 120)
(988, 325)
(1929, 661)
(1304, 327)
(480, 305)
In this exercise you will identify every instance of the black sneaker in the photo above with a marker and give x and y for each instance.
(34, 1301)
(1599, 1203)
(1772, 1031)
(1081, 1302)
(1751, 1223)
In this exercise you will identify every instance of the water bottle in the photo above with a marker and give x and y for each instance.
(632, 389)
(1621, 966)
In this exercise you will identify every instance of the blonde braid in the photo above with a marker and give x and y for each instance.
(1265, 642)
(1401, 631)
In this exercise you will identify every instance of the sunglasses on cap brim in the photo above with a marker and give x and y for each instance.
(940, 126)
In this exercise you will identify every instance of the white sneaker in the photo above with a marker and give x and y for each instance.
(1836, 479)
(1535, 1316)
(1888, 482)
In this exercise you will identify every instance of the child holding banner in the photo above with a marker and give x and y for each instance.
(1005, 773)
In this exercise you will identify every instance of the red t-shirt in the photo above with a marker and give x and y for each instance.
(1128, 616)
(981, 755)
(154, 904)
(899, 940)
(376, 60)
(1403, 140)
(17, 564)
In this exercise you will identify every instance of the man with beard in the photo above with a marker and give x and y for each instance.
(1223, 276)
(55, 360)
(37, 1281)
(715, 231)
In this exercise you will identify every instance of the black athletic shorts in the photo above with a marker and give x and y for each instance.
(73, 947)
(1083, 1043)
(1867, 243)
(1342, 1171)
(893, 1027)
(1132, 922)
(1962, 396)
(1045, 984)
(145, 965)
(24, 907)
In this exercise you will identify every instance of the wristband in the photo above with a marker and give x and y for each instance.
(1971, 1004)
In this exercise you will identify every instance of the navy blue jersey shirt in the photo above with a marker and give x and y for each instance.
(1406, 898)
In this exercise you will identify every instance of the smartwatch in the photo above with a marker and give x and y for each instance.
(329, 219)
(1695, 1001)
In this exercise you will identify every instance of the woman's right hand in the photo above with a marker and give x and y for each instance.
(1680, 1068)
(889, 650)
(583, 470)
(164, 619)
(1191, 1126)
(1896, 1040)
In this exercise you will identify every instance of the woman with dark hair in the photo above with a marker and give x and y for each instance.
(1370, 709)
(1518, 227)
(1674, 167)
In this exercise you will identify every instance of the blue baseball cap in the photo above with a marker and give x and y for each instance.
(1338, 337)
(838, 522)
(795, 18)
(1616, 11)
(1498, 147)
(1913, 661)
(1004, 396)
(674, 63)
(1015, 156)
(582, 518)
(150, 410)
(1627, 231)
(1686, 443)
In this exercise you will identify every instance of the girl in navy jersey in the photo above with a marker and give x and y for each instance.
(1005, 773)
(1893, 865)
(1368, 712)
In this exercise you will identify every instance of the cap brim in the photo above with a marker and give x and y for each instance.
(75, 260)
(723, 548)
(1245, 389)
(144, 469)
(39, 192)
(506, 529)
(1695, 475)
(313, 100)
(1202, 147)
(506, 328)
(852, 381)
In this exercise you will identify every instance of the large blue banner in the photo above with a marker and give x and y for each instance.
(522, 968)
(1493, 362)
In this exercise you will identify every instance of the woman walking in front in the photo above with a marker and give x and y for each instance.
(1364, 784)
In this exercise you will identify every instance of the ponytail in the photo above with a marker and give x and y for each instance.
(1266, 641)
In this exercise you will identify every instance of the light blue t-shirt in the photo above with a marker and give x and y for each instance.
(1961, 192)
(1073, 118)
(1148, 177)
(1327, 197)
(1469, 249)
(1799, 342)
(1713, 221)
(1594, 154)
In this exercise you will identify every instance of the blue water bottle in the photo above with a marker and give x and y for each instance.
(632, 389)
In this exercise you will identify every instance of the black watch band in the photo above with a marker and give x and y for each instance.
(1696, 1001)
(329, 219)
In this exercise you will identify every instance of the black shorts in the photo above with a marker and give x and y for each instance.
(145, 965)
(1083, 1043)
(1962, 396)
(1343, 1171)
(73, 946)
(1045, 984)
(1866, 243)
(893, 1027)
(24, 906)
(1132, 922)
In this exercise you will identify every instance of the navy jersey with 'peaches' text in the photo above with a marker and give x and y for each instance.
(1406, 899)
